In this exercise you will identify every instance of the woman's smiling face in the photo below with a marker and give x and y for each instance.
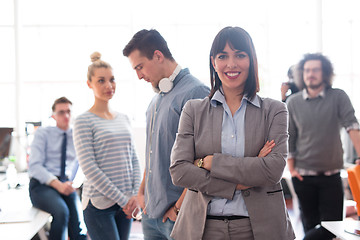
(232, 67)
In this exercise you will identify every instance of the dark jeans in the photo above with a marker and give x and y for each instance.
(65, 210)
(106, 224)
(321, 198)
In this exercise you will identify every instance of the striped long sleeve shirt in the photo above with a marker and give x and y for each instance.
(107, 158)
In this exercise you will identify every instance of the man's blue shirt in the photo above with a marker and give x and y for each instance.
(162, 118)
(45, 155)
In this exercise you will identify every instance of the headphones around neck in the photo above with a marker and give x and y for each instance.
(166, 84)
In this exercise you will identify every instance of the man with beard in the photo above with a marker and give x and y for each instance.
(316, 115)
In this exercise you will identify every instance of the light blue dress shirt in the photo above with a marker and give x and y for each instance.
(232, 143)
(45, 155)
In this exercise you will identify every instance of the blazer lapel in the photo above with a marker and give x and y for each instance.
(217, 127)
(252, 125)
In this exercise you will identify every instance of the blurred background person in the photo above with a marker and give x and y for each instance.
(316, 115)
(52, 164)
(288, 88)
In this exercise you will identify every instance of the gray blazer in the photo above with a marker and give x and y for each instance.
(199, 135)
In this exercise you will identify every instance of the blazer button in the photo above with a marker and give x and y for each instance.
(246, 193)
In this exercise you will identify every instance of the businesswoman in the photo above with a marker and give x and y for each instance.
(234, 191)
(105, 149)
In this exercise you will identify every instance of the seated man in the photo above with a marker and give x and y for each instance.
(52, 162)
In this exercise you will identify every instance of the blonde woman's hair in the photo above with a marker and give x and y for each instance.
(96, 63)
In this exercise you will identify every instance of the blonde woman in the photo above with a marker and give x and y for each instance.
(104, 145)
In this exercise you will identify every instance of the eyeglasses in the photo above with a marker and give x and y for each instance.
(314, 70)
(62, 112)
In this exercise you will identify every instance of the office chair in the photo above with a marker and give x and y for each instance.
(354, 183)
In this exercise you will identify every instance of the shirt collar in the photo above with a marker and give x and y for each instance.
(180, 75)
(306, 95)
(220, 98)
(68, 131)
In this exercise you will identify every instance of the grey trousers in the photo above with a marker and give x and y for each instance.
(239, 229)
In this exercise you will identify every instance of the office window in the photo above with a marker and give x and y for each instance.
(7, 64)
(57, 38)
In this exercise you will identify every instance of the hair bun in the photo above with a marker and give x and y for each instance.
(95, 56)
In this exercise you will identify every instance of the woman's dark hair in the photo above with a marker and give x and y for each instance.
(238, 39)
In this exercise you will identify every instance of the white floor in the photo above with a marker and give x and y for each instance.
(136, 231)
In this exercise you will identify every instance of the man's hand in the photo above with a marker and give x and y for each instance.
(284, 88)
(293, 172)
(65, 188)
(141, 201)
(296, 174)
(170, 213)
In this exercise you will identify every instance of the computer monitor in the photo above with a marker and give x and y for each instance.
(5, 141)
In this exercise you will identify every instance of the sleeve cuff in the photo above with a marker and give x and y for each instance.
(354, 126)
(123, 201)
(291, 155)
(50, 180)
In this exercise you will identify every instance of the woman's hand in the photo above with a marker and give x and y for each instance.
(207, 162)
(241, 187)
(267, 148)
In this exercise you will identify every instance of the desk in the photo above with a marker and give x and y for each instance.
(338, 228)
(25, 230)
(17, 202)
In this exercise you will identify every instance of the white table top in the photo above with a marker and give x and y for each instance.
(18, 219)
(338, 228)
(24, 230)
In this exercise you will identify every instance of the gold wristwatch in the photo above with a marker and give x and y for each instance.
(200, 163)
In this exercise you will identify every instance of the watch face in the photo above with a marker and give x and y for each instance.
(200, 163)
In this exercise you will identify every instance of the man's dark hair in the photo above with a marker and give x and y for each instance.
(326, 65)
(147, 42)
(60, 100)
